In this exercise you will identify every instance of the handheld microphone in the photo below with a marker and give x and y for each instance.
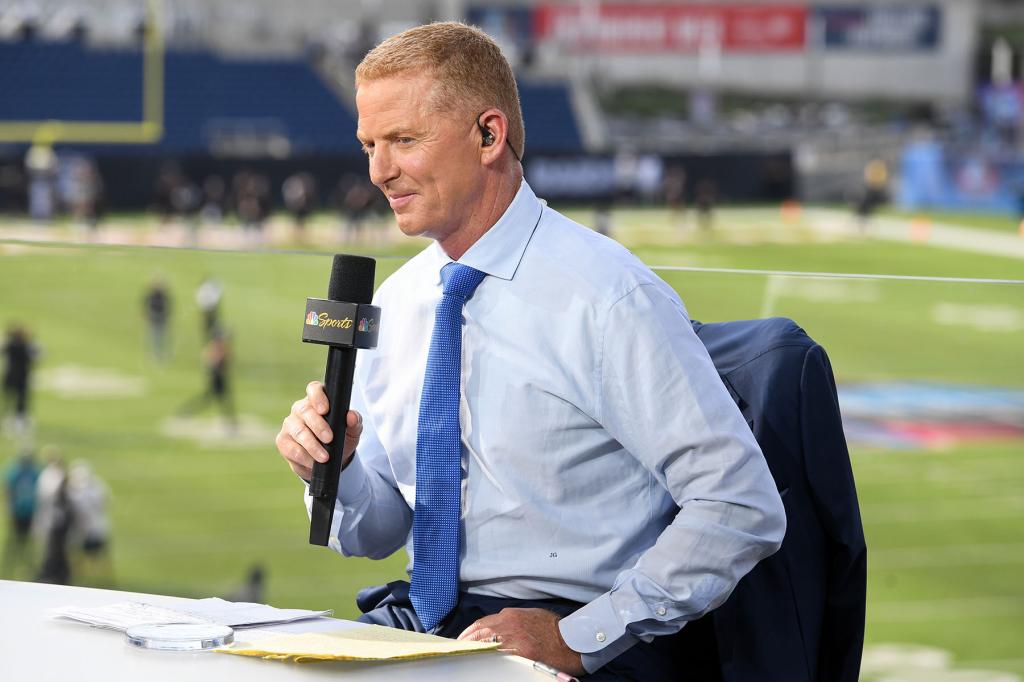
(343, 322)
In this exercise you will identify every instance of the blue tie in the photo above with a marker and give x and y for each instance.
(435, 526)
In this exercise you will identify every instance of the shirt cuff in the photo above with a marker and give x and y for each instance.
(597, 633)
(353, 484)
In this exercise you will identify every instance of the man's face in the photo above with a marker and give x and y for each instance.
(426, 161)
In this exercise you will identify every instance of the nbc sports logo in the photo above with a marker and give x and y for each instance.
(312, 319)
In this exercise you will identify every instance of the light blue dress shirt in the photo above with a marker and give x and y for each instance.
(603, 460)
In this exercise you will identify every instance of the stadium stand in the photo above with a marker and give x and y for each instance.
(213, 101)
(205, 95)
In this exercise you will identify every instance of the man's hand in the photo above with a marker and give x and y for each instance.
(305, 428)
(531, 633)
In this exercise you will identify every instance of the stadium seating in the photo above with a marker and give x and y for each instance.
(204, 94)
(209, 96)
(550, 122)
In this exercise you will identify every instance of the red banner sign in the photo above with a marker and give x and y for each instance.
(673, 28)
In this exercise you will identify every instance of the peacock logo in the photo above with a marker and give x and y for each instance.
(312, 318)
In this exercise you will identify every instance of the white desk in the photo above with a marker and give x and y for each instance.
(37, 648)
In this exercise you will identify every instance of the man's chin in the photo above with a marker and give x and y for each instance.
(409, 226)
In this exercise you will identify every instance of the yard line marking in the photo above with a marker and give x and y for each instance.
(990, 554)
(922, 513)
(945, 609)
(891, 662)
(837, 275)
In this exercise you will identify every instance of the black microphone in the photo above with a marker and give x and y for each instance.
(343, 322)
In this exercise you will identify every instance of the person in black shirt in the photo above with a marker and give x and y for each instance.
(19, 355)
(216, 358)
(56, 566)
(156, 306)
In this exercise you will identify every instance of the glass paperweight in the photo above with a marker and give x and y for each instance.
(180, 636)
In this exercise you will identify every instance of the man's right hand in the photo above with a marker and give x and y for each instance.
(305, 428)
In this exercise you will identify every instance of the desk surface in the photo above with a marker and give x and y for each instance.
(35, 647)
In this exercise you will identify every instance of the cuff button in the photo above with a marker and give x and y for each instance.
(600, 637)
(661, 611)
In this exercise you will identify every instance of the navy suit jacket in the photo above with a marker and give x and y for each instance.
(799, 614)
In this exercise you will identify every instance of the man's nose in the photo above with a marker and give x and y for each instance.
(382, 166)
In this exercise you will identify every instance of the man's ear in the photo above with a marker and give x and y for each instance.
(493, 127)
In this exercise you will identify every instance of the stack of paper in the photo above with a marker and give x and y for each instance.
(124, 615)
(360, 643)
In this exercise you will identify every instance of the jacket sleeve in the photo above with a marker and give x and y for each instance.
(830, 475)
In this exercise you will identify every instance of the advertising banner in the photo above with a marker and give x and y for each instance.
(893, 28)
(672, 27)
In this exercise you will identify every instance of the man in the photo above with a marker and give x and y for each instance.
(156, 306)
(208, 297)
(19, 355)
(217, 360)
(557, 452)
(21, 477)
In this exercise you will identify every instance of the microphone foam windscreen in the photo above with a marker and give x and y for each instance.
(351, 279)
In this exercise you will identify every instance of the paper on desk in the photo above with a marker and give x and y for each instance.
(123, 615)
(364, 643)
(245, 614)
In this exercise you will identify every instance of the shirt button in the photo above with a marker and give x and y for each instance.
(661, 611)
(600, 637)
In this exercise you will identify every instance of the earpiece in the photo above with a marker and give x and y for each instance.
(487, 137)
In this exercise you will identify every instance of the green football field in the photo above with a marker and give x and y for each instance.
(194, 506)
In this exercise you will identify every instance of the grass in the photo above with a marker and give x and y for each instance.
(984, 221)
(944, 528)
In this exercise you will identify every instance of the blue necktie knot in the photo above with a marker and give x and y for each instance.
(460, 280)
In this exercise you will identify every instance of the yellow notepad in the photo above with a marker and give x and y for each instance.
(366, 643)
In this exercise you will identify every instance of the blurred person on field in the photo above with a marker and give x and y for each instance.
(578, 484)
(168, 178)
(674, 189)
(156, 306)
(41, 166)
(20, 479)
(50, 479)
(186, 201)
(253, 590)
(208, 298)
(20, 355)
(251, 192)
(214, 200)
(89, 532)
(216, 362)
(299, 194)
(84, 191)
(54, 503)
(355, 199)
(874, 193)
(705, 197)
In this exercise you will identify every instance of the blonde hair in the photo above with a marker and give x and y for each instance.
(467, 64)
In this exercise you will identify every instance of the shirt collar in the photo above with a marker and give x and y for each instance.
(500, 250)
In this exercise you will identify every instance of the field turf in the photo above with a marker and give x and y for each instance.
(945, 528)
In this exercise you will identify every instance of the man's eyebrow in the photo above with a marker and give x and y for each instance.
(392, 134)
